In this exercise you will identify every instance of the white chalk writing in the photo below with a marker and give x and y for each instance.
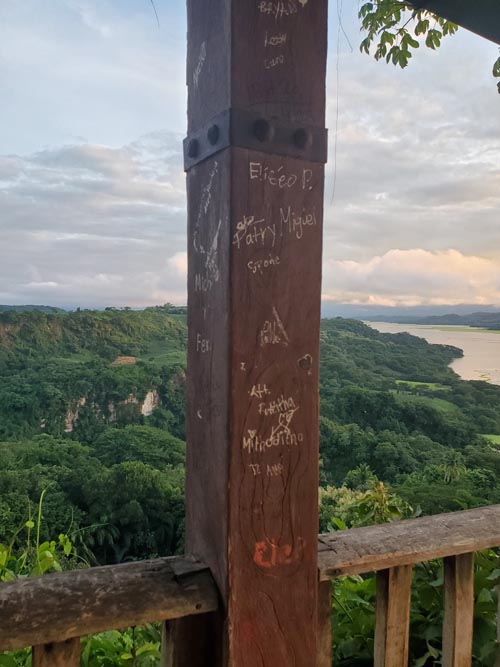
(206, 198)
(273, 332)
(280, 178)
(278, 10)
(277, 406)
(275, 40)
(271, 63)
(295, 222)
(259, 391)
(202, 344)
(274, 470)
(199, 66)
(260, 265)
(251, 231)
(202, 283)
(261, 232)
(255, 443)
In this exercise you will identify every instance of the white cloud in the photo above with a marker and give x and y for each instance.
(179, 262)
(91, 215)
(413, 277)
(92, 225)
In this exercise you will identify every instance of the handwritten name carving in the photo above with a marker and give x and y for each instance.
(202, 344)
(270, 63)
(273, 470)
(259, 391)
(253, 231)
(279, 178)
(261, 265)
(278, 10)
(279, 39)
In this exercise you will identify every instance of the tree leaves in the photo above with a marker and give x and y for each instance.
(389, 25)
(496, 72)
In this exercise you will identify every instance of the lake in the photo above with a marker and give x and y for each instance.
(481, 348)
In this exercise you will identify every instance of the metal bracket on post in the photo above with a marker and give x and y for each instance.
(246, 129)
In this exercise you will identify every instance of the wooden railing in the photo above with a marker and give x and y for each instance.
(51, 613)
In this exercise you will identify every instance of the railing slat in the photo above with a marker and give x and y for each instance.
(458, 610)
(325, 624)
(392, 627)
(62, 654)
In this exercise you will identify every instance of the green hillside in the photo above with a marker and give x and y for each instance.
(30, 308)
(92, 408)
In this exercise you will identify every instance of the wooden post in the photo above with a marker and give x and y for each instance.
(392, 622)
(255, 156)
(458, 610)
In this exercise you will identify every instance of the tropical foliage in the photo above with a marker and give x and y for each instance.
(400, 435)
(395, 29)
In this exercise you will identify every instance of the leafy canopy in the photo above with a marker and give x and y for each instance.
(395, 28)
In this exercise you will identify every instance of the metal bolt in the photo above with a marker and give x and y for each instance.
(213, 134)
(302, 138)
(263, 130)
(193, 148)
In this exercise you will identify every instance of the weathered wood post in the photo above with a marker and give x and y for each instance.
(254, 156)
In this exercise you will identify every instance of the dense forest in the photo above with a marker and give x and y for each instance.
(92, 421)
(92, 402)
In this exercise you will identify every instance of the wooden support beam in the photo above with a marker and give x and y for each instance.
(458, 610)
(325, 625)
(479, 16)
(408, 542)
(255, 153)
(62, 654)
(392, 623)
(61, 606)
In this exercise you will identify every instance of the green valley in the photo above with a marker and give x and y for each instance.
(92, 412)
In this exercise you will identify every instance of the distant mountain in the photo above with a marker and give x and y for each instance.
(30, 308)
(405, 315)
(477, 320)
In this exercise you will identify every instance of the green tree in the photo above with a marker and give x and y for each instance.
(394, 29)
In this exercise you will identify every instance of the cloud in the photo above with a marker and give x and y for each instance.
(92, 225)
(413, 277)
(90, 215)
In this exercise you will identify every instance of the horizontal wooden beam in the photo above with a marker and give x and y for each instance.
(408, 542)
(58, 607)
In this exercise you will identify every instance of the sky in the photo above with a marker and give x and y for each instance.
(92, 189)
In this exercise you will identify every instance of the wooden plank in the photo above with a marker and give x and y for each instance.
(392, 623)
(408, 542)
(61, 654)
(254, 285)
(57, 607)
(458, 610)
(325, 625)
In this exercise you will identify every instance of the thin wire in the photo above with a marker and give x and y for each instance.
(340, 6)
(156, 13)
(337, 104)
